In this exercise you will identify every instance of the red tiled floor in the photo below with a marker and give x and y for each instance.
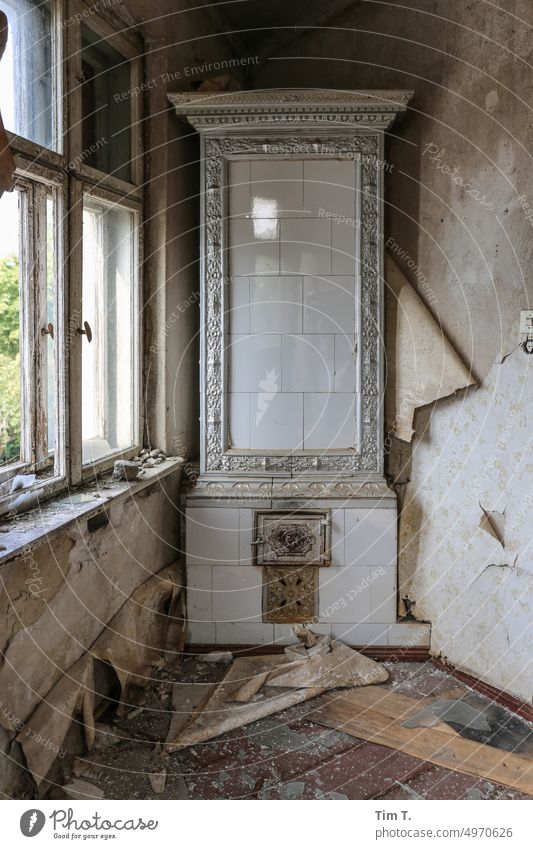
(289, 756)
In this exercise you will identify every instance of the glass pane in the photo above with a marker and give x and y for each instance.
(51, 365)
(10, 373)
(106, 127)
(109, 372)
(27, 74)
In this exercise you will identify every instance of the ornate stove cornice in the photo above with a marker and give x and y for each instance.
(287, 110)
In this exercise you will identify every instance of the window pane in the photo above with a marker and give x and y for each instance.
(109, 374)
(106, 123)
(27, 74)
(51, 366)
(10, 374)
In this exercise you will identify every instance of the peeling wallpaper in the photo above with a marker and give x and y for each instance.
(477, 594)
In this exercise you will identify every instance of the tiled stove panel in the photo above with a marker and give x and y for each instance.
(292, 538)
(355, 597)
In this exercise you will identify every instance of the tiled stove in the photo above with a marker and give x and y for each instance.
(291, 519)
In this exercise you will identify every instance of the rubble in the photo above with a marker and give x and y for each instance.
(216, 657)
(255, 687)
(158, 779)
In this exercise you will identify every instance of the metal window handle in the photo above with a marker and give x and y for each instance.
(258, 541)
(48, 330)
(85, 331)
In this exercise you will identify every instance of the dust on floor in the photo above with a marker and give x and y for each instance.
(284, 756)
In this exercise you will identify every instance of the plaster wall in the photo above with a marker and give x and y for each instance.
(56, 599)
(466, 246)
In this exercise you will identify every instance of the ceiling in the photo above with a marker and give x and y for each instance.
(255, 23)
(256, 20)
(251, 27)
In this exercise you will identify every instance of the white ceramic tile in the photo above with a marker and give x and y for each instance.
(346, 365)
(344, 594)
(276, 420)
(329, 420)
(361, 635)
(237, 593)
(283, 634)
(277, 188)
(244, 633)
(254, 248)
(410, 634)
(307, 363)
(343, 244)
(201, 633)
(199, 594)
(212, 536)
(246, 536)
(239, 419)
(276, 305)
(329, 305)
(383, 594)
(329, 186)
(337, 537)
(239, 300)
(306, 246)
(239, 188)
(254, 363)
(370, 537)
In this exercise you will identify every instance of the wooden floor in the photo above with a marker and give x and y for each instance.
(284, 756)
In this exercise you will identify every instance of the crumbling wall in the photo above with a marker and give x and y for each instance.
(459, 225)
(57, 599)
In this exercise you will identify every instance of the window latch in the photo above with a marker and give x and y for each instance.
(48, 330)
(85, 331)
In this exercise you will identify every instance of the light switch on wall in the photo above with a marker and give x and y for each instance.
(526, 322)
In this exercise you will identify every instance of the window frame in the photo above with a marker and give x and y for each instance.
(70, 179)
(35, 182)
(100, 193)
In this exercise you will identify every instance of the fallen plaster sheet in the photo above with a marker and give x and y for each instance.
(425, 366)
(185, 699)
(135, 641)
(7, 162)
(272, 684)
(221, 713)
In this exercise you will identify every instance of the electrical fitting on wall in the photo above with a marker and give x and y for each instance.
(526, 331)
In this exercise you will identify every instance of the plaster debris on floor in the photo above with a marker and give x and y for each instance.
(287, 754)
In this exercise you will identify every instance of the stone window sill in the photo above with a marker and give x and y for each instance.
(25, 532)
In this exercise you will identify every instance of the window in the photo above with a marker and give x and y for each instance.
(109, 368)
(10, 372)
(28, 292)
(28, 72)
(106, 132)
(69, 247)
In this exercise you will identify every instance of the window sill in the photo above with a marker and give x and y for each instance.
(25, 532)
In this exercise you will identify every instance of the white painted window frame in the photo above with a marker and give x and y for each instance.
(69, 178)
